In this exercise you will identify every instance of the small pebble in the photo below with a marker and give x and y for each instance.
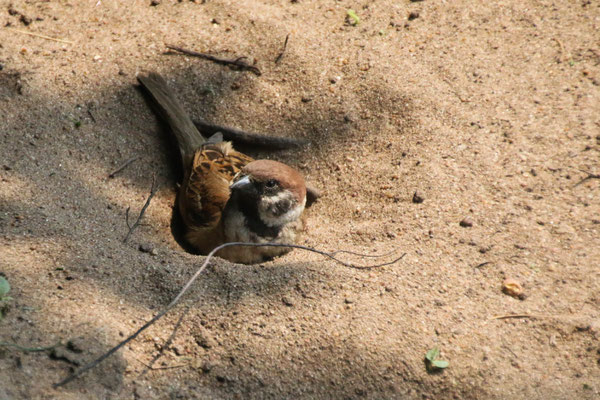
(155, 3)
(413, 15)
(466, 222)
(76, 345)
(147, 248)
(178, 350)
(418, 197)
(25, 20)
(204, 339)
(287, 301)
(207, 366)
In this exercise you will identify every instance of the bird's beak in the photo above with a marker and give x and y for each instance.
(243, 184)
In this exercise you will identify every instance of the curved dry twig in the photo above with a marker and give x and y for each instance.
(153, 190)
(237, 63)
(186, 287)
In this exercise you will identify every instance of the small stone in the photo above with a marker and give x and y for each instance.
(178, 350)
(305, 99)
(418, 197)
(147, 248)
(155, 3)
(76, 345)
(207, 366)
(413, 15)
(235, 86)
(25, 20)
(204, 339)
(349, 300)
(466, 222)
(287, 301)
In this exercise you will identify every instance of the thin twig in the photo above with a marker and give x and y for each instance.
(561, 47)
(29, 349)
(354, 253)
(189, 284)
(237, 63)
(510, 316)
(283, 50)
(127, 217)
(159, 368)
(587, 178)
(461, 98)
(40, 36)
(168, 342)
(123, 166)
(139, 218)
(91, 114)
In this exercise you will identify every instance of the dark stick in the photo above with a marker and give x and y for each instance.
(123, 166)
(237, 63)
(189, 284)
(127, 217)
(587, 178)
(253, 139)
(139, 218)
(282, 51)
(167, 343)
(28, 349)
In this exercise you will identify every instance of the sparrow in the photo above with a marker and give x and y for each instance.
(227, 196)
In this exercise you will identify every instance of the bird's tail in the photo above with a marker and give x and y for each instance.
(171, 111)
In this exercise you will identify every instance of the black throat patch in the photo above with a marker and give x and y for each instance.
(250, 210)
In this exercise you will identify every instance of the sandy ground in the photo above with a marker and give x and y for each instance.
(490, 110)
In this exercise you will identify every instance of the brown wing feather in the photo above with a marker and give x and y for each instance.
(205, 189)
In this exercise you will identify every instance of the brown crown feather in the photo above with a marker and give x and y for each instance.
(288, 177)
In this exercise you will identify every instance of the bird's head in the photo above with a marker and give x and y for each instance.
(275, 192)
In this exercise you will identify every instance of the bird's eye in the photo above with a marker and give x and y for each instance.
(271, 183)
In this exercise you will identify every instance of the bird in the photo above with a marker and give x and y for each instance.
(227, 196)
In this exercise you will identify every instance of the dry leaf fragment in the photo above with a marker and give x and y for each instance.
(513, 288)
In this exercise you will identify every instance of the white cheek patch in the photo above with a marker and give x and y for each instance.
(269, 203)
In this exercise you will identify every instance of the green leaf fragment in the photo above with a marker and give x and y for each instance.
(433, 354)
(441, 364)
(353, 17)
(4, 287)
